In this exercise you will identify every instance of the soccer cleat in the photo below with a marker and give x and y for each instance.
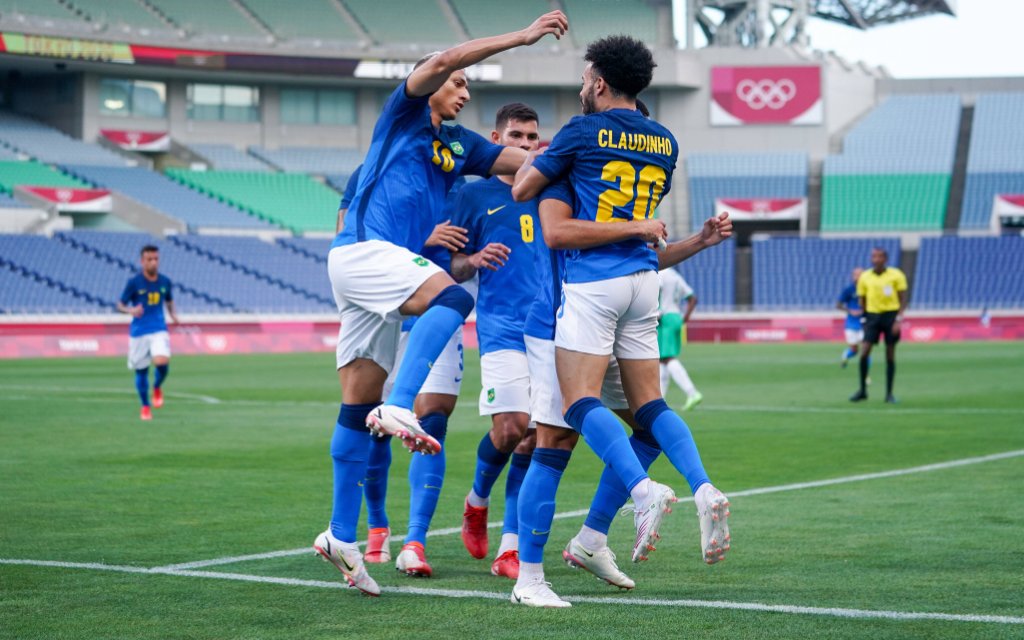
(648, 518)
(600, 562)
(693, 401)
(378, 546)
(890, 399)
(389, 420)
(145, 413)
(474, 530)
(348, 560)
(507, 564)
(713, 512)
(858, 397)
(158, 398)
(413, 562)
(537, 594)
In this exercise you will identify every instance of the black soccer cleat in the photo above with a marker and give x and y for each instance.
(890, 399)
(859, 397)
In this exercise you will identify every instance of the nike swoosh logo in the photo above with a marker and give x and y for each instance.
(345, 562)
(427, 486)
(360, 483)
(540, 533)
(516, 596)
(491, 212)
(587, 553)
(458, 379)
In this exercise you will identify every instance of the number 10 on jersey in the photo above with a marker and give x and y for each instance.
(643, 188)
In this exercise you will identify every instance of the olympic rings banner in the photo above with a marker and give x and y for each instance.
(766, 95)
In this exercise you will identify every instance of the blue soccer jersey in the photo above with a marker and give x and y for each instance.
(151, 294)
(350, 188)
(407, 173)
(849, 298)
(550, 269)
(486, 209)
(620, 166)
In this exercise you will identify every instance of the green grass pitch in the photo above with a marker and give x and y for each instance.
(84, 481)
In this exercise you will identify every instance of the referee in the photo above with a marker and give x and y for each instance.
(883, 297)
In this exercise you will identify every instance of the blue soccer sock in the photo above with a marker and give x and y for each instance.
(426, 477)
(489, 464)
(603, 433)
(675, 439)
(376, 486)
(537, 510)
(611, 494)
(427, 340)
(142, 385)
(513, 487)
(161, 375)
(849, 353)
(350, 448)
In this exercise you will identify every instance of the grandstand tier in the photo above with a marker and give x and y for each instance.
(49, 145)
(712, 274)
(13, 174)
(225, 157)
(908, 202)
(747, 175)
(211, 19)
(291, 200)
(995, 164)
(422, 24)
(969, 273)
(306, 20)
(808, 273)
(315, 160)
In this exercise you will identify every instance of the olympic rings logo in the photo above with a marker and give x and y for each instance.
(766, 93)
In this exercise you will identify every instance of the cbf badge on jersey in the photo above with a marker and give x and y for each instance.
(457, 147)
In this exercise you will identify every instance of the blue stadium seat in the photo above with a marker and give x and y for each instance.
(747, 175)
(22, 291)
(712, 274)
(995, 163)
(315, 160)
(969, 273)
(51, 146)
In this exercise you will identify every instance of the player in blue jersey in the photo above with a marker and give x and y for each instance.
(378, 275)
(853, 329)
(620, 166)
(144, 298)
(501, 233)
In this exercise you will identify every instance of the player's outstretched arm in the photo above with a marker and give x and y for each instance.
(562, 231)
(529, 182)
(432, 74)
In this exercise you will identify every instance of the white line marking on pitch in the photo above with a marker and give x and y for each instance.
(938, 466)
(173, 394)
(834, 612)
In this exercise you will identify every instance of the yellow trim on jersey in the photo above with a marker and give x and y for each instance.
(881, 291)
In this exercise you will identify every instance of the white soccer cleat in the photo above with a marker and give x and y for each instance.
(348, 560)
(537, 594)
(713, 511)
(389, 420)
(600, 562)
(648, 517)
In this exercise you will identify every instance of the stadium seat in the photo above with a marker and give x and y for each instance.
(120, 13)
(210, 19)
(969, 273)
(22, 291)
(712, 274)
(481, 18)
(30, 173)
(291, 200)
(170, 197)
(51, 146)
(791, 273)
(995, 163)
(895, 169)
(7, 202)
(306, 20)
(225, 157)
(593, 19)
(420, 22)
(742, 175)
(315, 248)
(315, 160)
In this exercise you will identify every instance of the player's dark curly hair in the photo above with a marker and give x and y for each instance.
(625, 64)
(149, 248)
(515, 111)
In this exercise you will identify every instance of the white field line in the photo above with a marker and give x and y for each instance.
(94, 390)
(938, 466)
(833, 612)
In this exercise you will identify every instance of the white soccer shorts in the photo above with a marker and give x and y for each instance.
(854, 336)
(143, 349)
(616, 316)
(445, 375)
(545, 394)
(505, 382)
(371, 280)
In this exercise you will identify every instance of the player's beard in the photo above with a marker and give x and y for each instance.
(587, 102)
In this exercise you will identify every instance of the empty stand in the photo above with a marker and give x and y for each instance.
(995, 163)
(228, 158)
(50, 145)
(809, 273)
(747, 175)
(712, 274)
(316, 160)
(420, 22)
(7, 202)
(895, 169)
(24, 292)
(125, 13)
(969, 273)
(170, 197)
(212, 18)
(483, 19)
(306, 20)
(315, 248)
(292, 200)
(593, 19)
(15, 173)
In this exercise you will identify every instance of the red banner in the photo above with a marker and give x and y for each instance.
(766, 95)
(763, 208)
(139, 140)
(72, 199)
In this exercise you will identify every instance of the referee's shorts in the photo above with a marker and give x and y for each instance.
(875, 324)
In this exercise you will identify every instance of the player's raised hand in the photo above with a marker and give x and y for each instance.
(650, 231)
(553, 22)
(448, 236)
(716, 229)
(137, 311)
(493, 257)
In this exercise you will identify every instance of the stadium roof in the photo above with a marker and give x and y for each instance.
(865, 14)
